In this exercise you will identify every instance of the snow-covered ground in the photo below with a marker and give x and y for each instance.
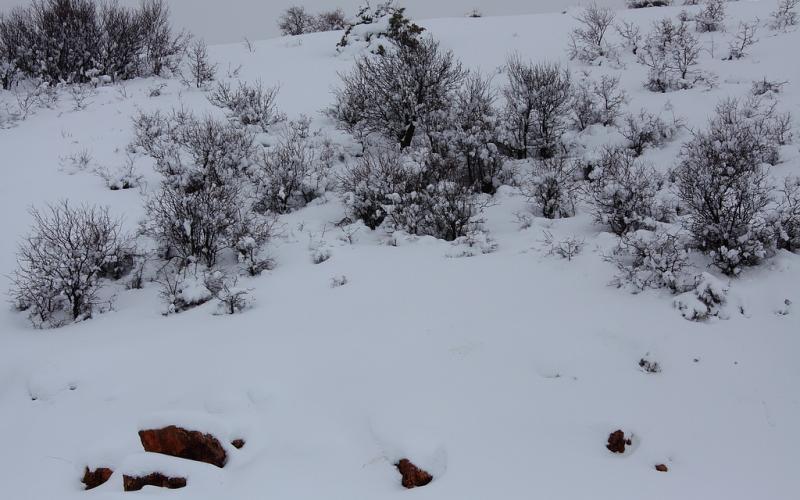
(501, 374)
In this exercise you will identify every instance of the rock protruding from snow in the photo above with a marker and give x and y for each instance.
(136, 483)
(617, 442)
(662, 468)
(413, 476)
(94, 478)
(238, 443)
(178, 442)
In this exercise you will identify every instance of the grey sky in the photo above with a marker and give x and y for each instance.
(220, 21)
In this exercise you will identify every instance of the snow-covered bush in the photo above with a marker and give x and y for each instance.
(537, 100)
(712, 18)
(622, 191)
(463, 137)
(786, 217)
(401, 188)
(76, 40)
(204, 203)
(182, 287)
(588, 41)
(722, 183)
(393, 94)
(651, 259)
(384, 22)
(62, 262)
(440, 209)
(785, 15)
(639, 4)
(248, 104)
(199, 70)
(231, 298)
(597, 102)
(121, 177)
(645, 130)
(293, 172)
(670, 52)
(553, 186)
(766, 87)
(706, 300)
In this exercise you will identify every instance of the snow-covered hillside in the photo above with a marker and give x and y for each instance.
(500, 373)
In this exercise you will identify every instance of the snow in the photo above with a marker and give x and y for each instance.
(502, 373)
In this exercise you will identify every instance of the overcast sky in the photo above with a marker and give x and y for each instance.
(220, 21)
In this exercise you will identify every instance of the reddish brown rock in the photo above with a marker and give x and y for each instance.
(662, 468)
(136, 483)
(617, 442)
(413, 476)
(94, 478)
(238, 443)
(182, 443)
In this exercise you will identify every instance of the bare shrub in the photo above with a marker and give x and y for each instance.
(670, 52)
(62, 262)
(332, 20)
(597, 101)
(588, 41)
(712, 18)
(248, 104)
(785, 15)
(296, 20)
(201, 71)
(622, 191)
(639, 4)
(537, 97)
(743, 40)
(567, 248)
(645, 130)
(632, 34)
(164, 48)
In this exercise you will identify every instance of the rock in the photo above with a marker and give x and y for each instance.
(413, 476)
(617, 442)
(136, 483)
(182, 443)
(238, 443)
(94, 478)
(662, 468)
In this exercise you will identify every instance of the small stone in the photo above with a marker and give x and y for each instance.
(238, 443)
(413, 476)
(136, 483)
(617, 442)
(94, 478)
(662, 468)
